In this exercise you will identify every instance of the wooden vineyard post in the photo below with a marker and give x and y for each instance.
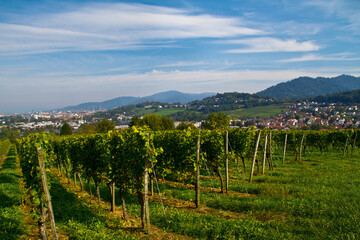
(353, 147)
(81, 183)
(347, 139)
(227, 161)
(197, 184)
(113, 197)
(270, 149)
(253, 162)
(264, 159)
(284, 148)
(301, 145)
(146, 192)
(90, 192)
(40, 154)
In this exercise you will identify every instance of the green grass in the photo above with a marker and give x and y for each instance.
(11, 216)
(261, 111)
(315, 199)
(78, 220)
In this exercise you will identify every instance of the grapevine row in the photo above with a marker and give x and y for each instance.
(127, 159)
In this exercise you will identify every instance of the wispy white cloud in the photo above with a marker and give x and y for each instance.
(268, 44)
(201, 80)
(315, 57)
(114, 26)
(182, 64)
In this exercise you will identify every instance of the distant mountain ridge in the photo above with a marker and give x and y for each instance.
(165, 97)
(305, 87)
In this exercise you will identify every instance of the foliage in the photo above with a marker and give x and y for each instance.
(65, 130)
(291, 202)
(304, 87)
(105, 126)
(179, 153)
(217, 121)
(348, 97)
(154, 122)
(186, 125)
(11, 134)
(230, 101)
(27, 150)
(187, 115)
(86, 129)
(241, 140)
(4, 146)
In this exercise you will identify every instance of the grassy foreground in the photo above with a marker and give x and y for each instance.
(317, 198)
(12, 224)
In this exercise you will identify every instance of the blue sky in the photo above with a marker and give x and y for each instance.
(60, 53)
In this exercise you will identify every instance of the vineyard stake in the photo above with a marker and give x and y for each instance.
(197, 184)
(301, 145)
(146, 192)
(270, 149)
(81, 183)
(40, 154)
(253, 162)
(263, 163)
(347, 139)
(285, 148)
(227, 161)
(113, 197)
(352, 149)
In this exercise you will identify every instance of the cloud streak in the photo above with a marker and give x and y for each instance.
(314, 57)
(182, 64)
(114, 27)
(268, 44)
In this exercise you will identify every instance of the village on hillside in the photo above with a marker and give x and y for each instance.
(302, 115)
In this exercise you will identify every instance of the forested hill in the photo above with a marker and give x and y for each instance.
(230, 101)
(348, 97)
(305, 87)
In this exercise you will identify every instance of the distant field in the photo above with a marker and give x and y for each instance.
(160, 112)
(261, 111)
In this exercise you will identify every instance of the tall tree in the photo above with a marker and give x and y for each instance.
(104, 126)
(65, 129)
(185, 126)
(154, 122)
(216, 121)
(86, 129)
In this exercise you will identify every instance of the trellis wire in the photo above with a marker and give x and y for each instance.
(209, 175)
(157, 184)
(242, 177)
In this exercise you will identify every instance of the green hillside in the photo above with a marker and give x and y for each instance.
(305, 87)
(257, 112)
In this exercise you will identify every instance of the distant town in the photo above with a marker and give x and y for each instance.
(302, 115)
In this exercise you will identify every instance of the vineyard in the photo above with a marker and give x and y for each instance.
(190, 184)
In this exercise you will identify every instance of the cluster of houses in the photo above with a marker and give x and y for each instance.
(299, 115)
(308, 114)
(52, 119)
